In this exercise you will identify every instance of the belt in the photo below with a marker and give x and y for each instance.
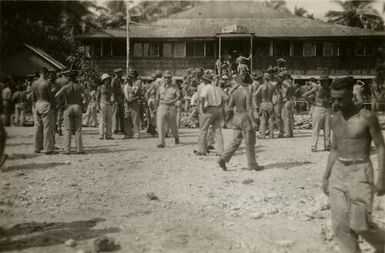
(351, 161)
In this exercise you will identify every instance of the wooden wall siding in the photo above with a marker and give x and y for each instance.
(297, 65)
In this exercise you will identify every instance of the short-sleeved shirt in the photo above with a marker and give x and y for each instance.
(213, 95)
(105, 94)
(167, 93)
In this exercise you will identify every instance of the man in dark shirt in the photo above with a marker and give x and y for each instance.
(118, 107)
(244, 124)
(72, 96)
(43, 114)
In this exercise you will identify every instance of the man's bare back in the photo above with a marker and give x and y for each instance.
(239, 99)
(266, 92)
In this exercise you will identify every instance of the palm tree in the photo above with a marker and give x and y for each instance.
(299, 11)
(356, 13)
(277, 5)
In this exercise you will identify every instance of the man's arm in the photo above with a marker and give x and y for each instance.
(250, 111)
(312, 91)
(59, 93)
(333, 155)
(378, 139)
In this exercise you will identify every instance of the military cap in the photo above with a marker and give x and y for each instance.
(167, 73)
(158, 73)
(208, 77)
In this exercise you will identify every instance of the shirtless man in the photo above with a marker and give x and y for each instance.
(72, 94)
(358, 89)
(244, 124)
(287, 91)
(43, 114)
(266, 92)
(348, 178)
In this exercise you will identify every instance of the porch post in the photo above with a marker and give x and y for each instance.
(220, 55)
(251, 53)
(127, 35)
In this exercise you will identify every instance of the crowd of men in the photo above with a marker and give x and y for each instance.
(265, 104)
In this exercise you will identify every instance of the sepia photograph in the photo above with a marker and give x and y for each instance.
(213, 126)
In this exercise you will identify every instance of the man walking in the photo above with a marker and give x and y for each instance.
(244, 124)
(320, 112)
(72, 95)
(43, 114)
(167, 95)
(212, 99)
(348, 178)
(105, 100)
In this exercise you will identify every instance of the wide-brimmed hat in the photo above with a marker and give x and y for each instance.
(267, 76)
(167, 73)
(281, 60)
(208, 77)
(360, 82)
(132, 73)
(153, 76)
(225, 77)
(105, 76)
(117, 70)
(244, 79)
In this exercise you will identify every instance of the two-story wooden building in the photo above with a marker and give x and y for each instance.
(196, 37)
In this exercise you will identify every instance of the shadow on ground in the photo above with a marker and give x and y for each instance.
(31, 166)
(33, 234)
(285, 165)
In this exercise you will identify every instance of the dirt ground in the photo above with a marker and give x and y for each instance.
(168, 200)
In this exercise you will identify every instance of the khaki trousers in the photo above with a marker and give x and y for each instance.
(105, 121)
(242, 129)
(19, 114)
(212, 117)
(351, 198)
(73, 124)
(320, 120)
(166, 117)
(132, 121)
(44, 126)
(288, 118)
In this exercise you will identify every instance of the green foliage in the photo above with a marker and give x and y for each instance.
(357, 14)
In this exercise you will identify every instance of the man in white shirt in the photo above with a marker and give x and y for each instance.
(211, 103)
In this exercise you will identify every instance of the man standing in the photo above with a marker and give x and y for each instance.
(7, 102)
(378, 93)
(244, 124)
(151, 97)
(90, 116)
(288, 105)
(43, 114)
(320, 112)
(212, 99)
(256, 101)
(19, 99)
(59, 105)
(105, 100)
(348, 178)
(132, 117)
(3, 138)
(118, 106)
(72, 95)
(358, 89)
(167, 95)
(266, 92)
(277, 101)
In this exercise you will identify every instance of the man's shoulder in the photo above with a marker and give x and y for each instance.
(367, 115)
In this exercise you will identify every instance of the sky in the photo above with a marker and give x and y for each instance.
(316, 7)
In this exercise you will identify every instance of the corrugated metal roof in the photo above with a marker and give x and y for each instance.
(207, 20)
(46, 56)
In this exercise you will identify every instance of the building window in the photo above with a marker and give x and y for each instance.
(328, 49)
(370, 48)
(281, 48)
(106, 45)
(308, 49)
(179, 49)
(119, 48)
(209, 48)
(359, 49)
(195, 49)
(262, 48)
(150, 49)
(167, 50)
(138, 50)
(297, 48)
(96, 49)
